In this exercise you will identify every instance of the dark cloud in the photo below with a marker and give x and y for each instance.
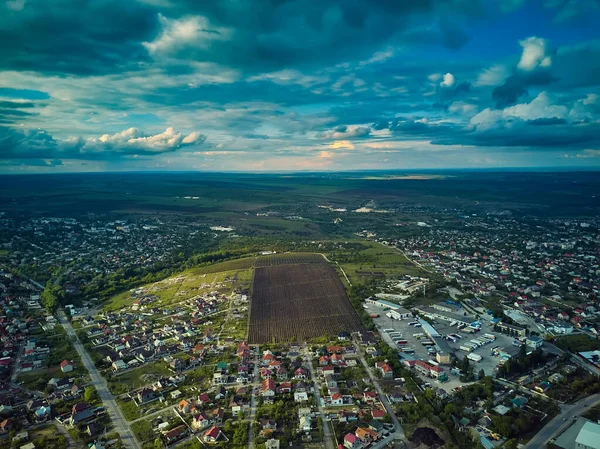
(39, 144)
(81, 37)
(268, 35)
(16, 104)
(517, 85)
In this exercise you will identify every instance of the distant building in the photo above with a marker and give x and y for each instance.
(582, 434)
(515, 331)
(534, 342)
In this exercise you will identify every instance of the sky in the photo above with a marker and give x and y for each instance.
(298, 85)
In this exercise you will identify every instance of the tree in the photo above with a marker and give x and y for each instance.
(481, 374)
(52, 297)
(158, 444)
(89, 395)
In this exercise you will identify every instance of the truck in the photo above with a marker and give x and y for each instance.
(474, 357)
(468, 330)
(388, 330)
(490, 336)
(402, 342)
(465, 348)
(418, 335)
(408, 350)
(427, 343)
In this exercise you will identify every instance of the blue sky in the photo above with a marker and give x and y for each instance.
(272, 85)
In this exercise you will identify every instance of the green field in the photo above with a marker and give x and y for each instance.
(138, 377)
(374, 258)
(223, 277)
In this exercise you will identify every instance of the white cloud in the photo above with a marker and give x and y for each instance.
(132, 139)
(193, 31)
(462, 107)
(15, 5)
(540, 107)
(346, 132)
(493, 76)
(378, 57)
(435, 77)
(590, 99)
(535, 54)
(290, 76)
(341, 144)
(448, 80)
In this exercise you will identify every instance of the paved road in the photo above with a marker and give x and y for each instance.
(398, 429)
(559, 424)
(326, 429)
(253, 399)
(99, 383)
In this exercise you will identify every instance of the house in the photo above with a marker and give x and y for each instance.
(385, 370)
(377, 413)
(519, 401)
(272, 444)
(187, 407)
(300, 396)
(330, 381)
(268, 426)
(175, 434)
(268, 388)
(351, 441)
(43, 413)
(94, 428)
(534, 342)
(201, 421)
(305, 423)
(221, 393)
(119, 365)
(212, 435)
(146, 395)
(370, 396)
(204, 399)
(376, 426)
(300, 374)
(284, 387)
(217, 416)
(7, 425)
(366, 435)
(220, 378)
(327, 370)
(80, 412)
(66, 366)
(337, 399)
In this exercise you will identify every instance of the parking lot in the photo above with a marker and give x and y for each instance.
(488, 361)
(384, 322)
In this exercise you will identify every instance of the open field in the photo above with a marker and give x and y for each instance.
(375, 260)
(299, 301)
(234, 194)
(222, 277)
(288, 258)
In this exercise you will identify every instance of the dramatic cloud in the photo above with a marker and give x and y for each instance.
(535, 54)
(28, 144)
(346, 132)
(297, 84)
(448, 80)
